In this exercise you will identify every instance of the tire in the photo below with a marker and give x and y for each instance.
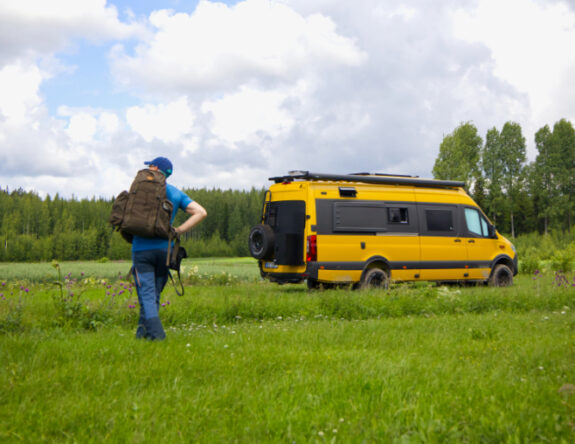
(375, 278)
(502, 276)
(261, 241)
(312, 284)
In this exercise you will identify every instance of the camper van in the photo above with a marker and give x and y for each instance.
(367, 230)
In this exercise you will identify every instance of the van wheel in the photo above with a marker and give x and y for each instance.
(374, 278)
(312, 284)
(261, 241)
(502, 276)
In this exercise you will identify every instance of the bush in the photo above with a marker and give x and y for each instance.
(562, 260)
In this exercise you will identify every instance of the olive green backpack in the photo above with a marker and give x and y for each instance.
(144, 210)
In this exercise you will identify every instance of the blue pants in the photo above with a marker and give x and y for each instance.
(150, 275)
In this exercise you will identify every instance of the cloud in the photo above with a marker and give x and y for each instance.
(219, 48)
(533, 52)
(38, 27)
(167, 122)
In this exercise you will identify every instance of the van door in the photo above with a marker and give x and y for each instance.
(481, 248)
(443, 252)
(287, 219)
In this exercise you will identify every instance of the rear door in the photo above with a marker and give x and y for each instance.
(287, 219)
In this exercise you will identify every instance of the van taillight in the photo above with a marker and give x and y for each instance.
(311, 250)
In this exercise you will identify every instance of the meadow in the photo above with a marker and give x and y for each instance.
(250, 361)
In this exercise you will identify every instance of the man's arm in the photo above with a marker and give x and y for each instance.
(197, 214)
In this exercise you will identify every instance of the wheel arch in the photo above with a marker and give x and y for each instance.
(505, 260)
(376, 262)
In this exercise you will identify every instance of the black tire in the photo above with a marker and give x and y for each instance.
(502, 276)
(312, 284)
(374, 278)
(261, 241)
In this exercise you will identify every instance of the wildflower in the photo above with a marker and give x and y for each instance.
(26, 290)
(320, 433)
(3, 284)
(188, 345)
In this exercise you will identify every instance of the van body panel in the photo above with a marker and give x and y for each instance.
(332, 231)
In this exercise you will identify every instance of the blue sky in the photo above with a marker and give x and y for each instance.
(235, 92)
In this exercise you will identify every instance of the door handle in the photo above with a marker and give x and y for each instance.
(471, 241)
(457, 240)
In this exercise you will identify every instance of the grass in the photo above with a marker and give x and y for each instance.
(247, 361)
(44, 271)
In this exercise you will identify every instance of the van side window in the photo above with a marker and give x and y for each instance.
(476, 223)
(396, 215)
(358, 216)
(439, 220)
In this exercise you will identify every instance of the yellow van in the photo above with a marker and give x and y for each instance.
(366, 230)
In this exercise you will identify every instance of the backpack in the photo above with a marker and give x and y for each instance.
(144, 210)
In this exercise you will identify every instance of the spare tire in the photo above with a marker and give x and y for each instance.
(261, 241)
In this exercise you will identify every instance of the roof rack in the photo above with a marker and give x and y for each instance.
(364, 178)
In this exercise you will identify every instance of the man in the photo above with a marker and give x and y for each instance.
(149, 256)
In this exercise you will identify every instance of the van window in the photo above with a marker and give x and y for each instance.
(439, 220)
(358, 216)
(397, 215)
(476, 223)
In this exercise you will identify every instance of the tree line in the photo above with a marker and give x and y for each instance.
(41, 229)
(518, 196)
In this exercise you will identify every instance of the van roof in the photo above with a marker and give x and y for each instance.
(368, 178)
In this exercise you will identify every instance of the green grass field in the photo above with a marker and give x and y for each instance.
(248, 361)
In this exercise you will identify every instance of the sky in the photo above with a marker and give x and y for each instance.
(235, 92)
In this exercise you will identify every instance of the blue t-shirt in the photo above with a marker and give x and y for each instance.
(180, 200)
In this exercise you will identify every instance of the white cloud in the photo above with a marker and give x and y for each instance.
(532, 47)
(241, 115)
(167, 122)
(32, 27)
(19, 85)
(220, 47)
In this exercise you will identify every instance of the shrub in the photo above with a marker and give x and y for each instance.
(562, 260)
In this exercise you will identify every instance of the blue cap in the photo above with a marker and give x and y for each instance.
(163, 164)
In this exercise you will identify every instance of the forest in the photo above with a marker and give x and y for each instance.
(35, 229)
(520, 197)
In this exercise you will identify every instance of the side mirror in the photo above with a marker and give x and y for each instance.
(492, 231)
